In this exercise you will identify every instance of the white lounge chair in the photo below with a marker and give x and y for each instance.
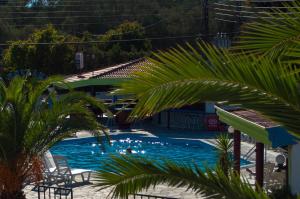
(57, 169)
(51, 175)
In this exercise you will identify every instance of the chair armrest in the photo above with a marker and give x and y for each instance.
(250, 171)
(59, 157)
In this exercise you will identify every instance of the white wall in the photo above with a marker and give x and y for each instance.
(294, 168)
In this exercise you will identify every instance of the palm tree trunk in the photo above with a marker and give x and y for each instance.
(13, 195)
(11, 181)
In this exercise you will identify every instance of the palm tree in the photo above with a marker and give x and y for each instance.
(261, 73)
(224, 148)
(29, 125)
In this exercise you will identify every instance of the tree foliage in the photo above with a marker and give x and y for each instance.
(117, 50)
(51, 59)
(160, 18)
(46, 49)
(30, 125)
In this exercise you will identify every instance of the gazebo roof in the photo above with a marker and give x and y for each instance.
(257, 126)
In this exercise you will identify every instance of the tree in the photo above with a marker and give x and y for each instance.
(266, 81)
(30, 125)
(54, 58)
(117, 50)
(224, 147)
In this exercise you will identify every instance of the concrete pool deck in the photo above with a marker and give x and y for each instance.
(89, 191)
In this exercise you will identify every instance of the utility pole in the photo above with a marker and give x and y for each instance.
(205, 21)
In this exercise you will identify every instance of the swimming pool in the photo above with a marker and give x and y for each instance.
(87, 153)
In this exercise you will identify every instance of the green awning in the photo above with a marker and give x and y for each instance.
(93, 82)
(274, 136)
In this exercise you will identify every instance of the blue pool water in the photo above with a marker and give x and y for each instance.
(87, 153)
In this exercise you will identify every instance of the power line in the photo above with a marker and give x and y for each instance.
(67, 1)
(59, 11)
(144, 28)
(50, 12)
(248, 7)
(88, 16)
(253, 12)
(83, 23)
(111, 41)
(252, 17)
(54, 24)
(85, 16)
(70, 5)
(262, 1)
(120, 40)
(225, 20)
(67, 24)
(74, 1)
(71, 24)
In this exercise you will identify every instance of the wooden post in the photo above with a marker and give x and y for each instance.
(287, 171)
(159, 118)
(237, 151)
(259, 164)
(205, 21)
(168, 119)
(93, 91)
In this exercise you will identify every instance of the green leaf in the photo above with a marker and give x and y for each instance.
(184, 76)
(128, 175)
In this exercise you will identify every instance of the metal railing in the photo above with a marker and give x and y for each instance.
(47, 192)
(249, 153)
(141, 196)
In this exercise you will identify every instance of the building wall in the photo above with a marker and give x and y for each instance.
(294, 168)
(181, 119)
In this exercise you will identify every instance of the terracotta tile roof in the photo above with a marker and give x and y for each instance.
(254, 117)
(117, 71)
(125, 70)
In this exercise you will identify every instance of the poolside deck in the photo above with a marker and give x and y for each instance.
(88, 191)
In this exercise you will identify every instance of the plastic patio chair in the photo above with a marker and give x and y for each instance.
(57, 170)
(50, 173)
(70, 174)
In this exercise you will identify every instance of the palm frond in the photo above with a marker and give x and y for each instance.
(294, 54)
(128, 175)
(181, 76)
(275, 35)
(29, 125)
(75, 96)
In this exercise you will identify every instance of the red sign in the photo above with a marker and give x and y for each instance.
(212, 122)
